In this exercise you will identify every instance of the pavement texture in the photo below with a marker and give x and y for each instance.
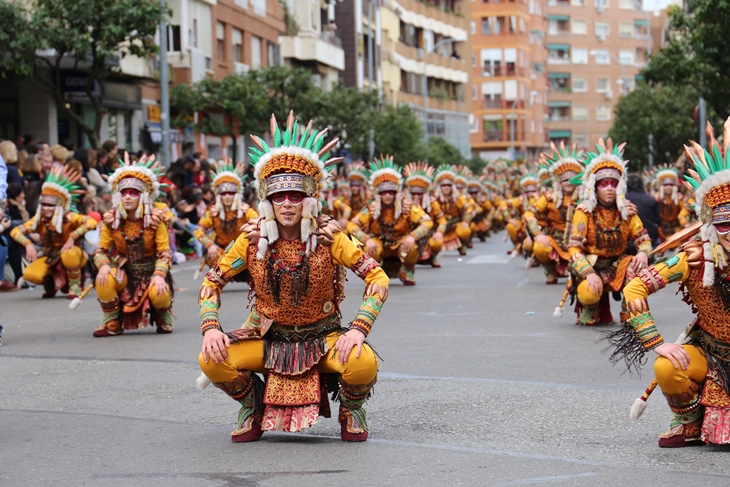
(479, 386)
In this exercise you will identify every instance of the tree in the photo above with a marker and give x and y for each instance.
(439, 151)
(694, 55)
(287, 89)
(398, 132)
(476, 164)
(41, 38)
(666, 112)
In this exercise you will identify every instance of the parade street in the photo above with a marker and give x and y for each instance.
(479, 385)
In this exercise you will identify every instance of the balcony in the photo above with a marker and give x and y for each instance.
(509, 70)
(558, 3)
(309, 48)
(501, 104)
(493, 136)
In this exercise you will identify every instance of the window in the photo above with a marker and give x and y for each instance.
(627, 57)
(603, 113)
(473, 124)
(538, 8)
(513, 24)
(272, 52)
(580, 55)
(492, 62)
(552, 27)
(173, 38)
(625, 29)
(577, 3)
(580, 112)
(237, 46)
(473, 28)
(580, 85)
(601, 5)
(473, 60)
(626, 4)
(255, 52)
(220, 30)
(474, 92)
(602, 57)
(498, 25)
(493, 125)
(602, 85)
(579, 27)
(486, 27)
(601, 30)
(492, 95)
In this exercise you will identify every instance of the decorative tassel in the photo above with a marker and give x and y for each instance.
(426, 201)
(398, 205)
(219, 205)
(640, 403)
(621, 199)
(269, 230)
(202, 382)
(37, 219)
(529, 262)
(558, 313)
(376, 213)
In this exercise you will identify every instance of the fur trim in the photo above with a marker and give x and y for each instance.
(398, 205)
(269, 229)
(202, 382)
(376, 207)
(37, 218)
(309, 224)
(717, 179)
(300, 152)
(638, 408)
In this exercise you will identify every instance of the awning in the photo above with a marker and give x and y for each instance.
(558, 104)
(642, 23)
(559, 17)
(560, 134)
(559, 47)
(558, 75)
(639, 77)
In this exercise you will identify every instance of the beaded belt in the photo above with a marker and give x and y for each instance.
(284, 333)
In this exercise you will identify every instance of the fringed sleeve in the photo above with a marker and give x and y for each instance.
(420, 218)
(101, 254)
(359, 225)
(201, 231)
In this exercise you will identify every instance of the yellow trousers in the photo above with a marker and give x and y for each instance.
(39, 268)
(111, 289)
(514, 232)
(462, 231)
(586, 297)
(677, 381)
(249, 355)
(542, 252)
(409, 260)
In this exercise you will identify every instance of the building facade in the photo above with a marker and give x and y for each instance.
(508, 67)
(596, 49)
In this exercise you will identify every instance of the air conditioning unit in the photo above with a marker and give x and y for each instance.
(599, 8)
(241, 68)
(601, 37)
(608, 95)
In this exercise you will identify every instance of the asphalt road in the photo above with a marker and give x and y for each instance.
(479, 386)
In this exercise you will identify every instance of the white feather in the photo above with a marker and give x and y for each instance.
(75, 303)
(196, 276)
(558, 313)
(638, 408)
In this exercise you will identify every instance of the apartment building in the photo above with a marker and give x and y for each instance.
(509, 89)
(315, 44)
(413, 39)
(596, 49)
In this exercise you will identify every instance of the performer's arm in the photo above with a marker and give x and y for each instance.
(164, 255)
(438, 216)
(422, 220)
(201, 231)
(343, 208)
(641, 238)
(250, 213)
(578, 263)
(684, 215)
(358, 226)
(101, 254)
(83, 224)
(467, 215)
(234, 260)
(347, 254)
(19, 233)
(647, 282)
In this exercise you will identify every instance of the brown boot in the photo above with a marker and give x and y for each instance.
(352, 417)
(686, 427)
(110, 323)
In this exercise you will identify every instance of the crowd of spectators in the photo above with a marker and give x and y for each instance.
(25, 162)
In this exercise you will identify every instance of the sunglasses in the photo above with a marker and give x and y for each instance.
(293, 197)
(228, 193)
(132, 193)
(722, 228)
(607, 183)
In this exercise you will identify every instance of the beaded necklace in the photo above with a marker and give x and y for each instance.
(298, 275)
(135, 243)
(609, 238)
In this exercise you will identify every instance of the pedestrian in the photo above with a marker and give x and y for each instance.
(648, 207)
(5, 225)
(102, 164)
(191, 168)
(9, 153)
(32, 181)
(294, 332)
(41, 146)
(18, 215)
(47, 162)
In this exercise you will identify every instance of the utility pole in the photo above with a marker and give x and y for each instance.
(371, 143)
(164, 92)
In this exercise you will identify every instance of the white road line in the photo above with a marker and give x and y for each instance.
(543, 480)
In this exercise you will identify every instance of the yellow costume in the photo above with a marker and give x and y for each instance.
(418, 180)
(56, 268)
(673, 213)
(455, 210)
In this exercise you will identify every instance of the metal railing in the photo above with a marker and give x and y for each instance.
(331, 38)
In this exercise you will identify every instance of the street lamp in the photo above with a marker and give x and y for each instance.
(425, 82)
(371, 143)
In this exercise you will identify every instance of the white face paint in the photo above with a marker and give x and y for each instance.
(288, 214)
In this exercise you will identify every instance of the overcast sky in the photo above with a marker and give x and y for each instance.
(651, 5)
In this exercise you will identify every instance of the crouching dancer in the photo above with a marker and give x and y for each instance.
(293, 334)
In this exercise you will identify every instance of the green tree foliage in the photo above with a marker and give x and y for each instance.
(441, 152)
(666, 112)
(42, 37)
(398, 132)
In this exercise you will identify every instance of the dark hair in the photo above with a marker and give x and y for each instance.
(38, 147)
(82, 155)
(14, 189)
(108, 145)
(197, 155)
(635, 183)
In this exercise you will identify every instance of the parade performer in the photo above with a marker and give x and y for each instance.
(455, 231)
(482, 222)
(222, 223)
(294, 333)
(336, 207)
(418, 180)
(391, 225)
(552, 214)
(59, 265)
(357, 176)
(600, 238)
(673, 213)
(693, 373)
(133, 256)
(516, 224)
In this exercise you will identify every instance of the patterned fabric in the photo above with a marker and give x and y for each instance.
(582, 267)
(646, 331)
(364, 265)
(209, 314)
(369, 311)
(652, 280)
(216, 276)
(292, 402)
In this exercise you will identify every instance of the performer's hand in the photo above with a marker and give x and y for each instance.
(631, 209)
(215, 343)
(157, 216)
(639, 262)
(543, 240)
(346, 342)
(371, 245)
(31, 253)
(102, 277)
(406, 245)
(68, 245)
(675, 353)
(214, 252)
(160, 285)
(438, 237)
(595, 284)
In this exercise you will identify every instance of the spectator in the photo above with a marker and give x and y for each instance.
(59, 154)
(3, 179)
(102, 164)
(192, 169)
(9, 153)
(88, 158)
(5, 225)
(647, 206)
(18, 215)
(33, 181)
(110, 147)
(41, 146)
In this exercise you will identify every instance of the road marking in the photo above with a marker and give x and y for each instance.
(489, 259)
(544, 480)
(523, 282)
(175, 270)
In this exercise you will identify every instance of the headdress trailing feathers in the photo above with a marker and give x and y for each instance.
(60, 190)
(608, 162)
(463, 174)
(385, 175)
(558, 162)
(419, 177)
(529, 182)
(227, 178)
(445, 173)
(294, 163)
(710, 181)
(664, 173)
(358, 173)
(143, 176)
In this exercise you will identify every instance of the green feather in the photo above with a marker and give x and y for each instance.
(710, 162)
(277, 137)
(700, 167)
(287, 137)
(294, 128)
(310, 141)
(318, 144)
(325, 157)
(691, 181)
(303, 138)
(718, 158)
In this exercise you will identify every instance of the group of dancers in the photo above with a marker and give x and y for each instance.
(570, 216)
